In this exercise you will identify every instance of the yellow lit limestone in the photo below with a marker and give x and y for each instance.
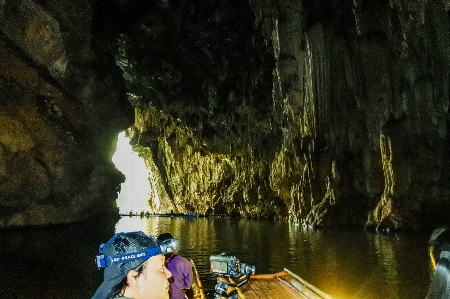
(385, 215)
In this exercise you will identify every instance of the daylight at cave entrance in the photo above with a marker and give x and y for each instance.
(136, 191)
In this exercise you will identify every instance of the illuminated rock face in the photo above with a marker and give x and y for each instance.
(329, 113)
(326, 113)
(60, 115)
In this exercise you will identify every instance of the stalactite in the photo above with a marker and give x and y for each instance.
(355, 13)
(308, 96)
(386, 160)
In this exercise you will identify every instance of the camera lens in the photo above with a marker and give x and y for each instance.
(247, 268)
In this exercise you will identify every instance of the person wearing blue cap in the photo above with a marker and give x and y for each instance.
(134, 268)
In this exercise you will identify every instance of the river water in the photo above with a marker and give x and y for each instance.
(347, 264)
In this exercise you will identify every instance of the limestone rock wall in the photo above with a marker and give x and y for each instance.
(61, 108)
(372, 100)
(338, 118)
(326, 113)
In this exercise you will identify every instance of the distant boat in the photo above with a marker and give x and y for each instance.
(164, 215)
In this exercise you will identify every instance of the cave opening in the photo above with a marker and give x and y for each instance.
(136, 193)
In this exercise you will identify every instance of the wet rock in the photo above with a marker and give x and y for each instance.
(59, 116)
(339, 113)
(323, 112)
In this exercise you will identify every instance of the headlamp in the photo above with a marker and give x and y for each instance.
(167, 246)
(103, 261)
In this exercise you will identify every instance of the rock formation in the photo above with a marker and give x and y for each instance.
(61, 109)
(326, 113)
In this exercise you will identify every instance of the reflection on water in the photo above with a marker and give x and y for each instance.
(348, 264)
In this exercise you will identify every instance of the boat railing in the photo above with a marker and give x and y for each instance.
(198, 290)
(304, 287)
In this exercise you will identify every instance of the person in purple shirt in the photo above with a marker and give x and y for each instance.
(181, 269)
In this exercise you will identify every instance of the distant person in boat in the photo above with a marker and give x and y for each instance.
(440, 259)
(181, 270)
(134, 268)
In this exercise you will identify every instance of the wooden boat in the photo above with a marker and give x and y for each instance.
(285, 284)
(281, 285)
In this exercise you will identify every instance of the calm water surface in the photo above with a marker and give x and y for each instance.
(347, 264)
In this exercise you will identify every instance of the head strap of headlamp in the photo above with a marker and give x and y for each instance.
(103, 261)
(106, 261)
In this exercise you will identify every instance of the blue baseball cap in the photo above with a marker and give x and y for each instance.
(122, 253)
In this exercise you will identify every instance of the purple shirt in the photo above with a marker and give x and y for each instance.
(181, 270)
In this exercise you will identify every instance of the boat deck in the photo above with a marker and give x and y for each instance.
(281, 285)
(284, 284)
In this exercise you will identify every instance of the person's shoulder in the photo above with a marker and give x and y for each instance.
(182, 258)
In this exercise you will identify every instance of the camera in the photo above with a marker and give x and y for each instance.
(227, 265)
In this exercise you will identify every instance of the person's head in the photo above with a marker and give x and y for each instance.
(440, 259)
(439, 242)
(168, 244)
(134, 267)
